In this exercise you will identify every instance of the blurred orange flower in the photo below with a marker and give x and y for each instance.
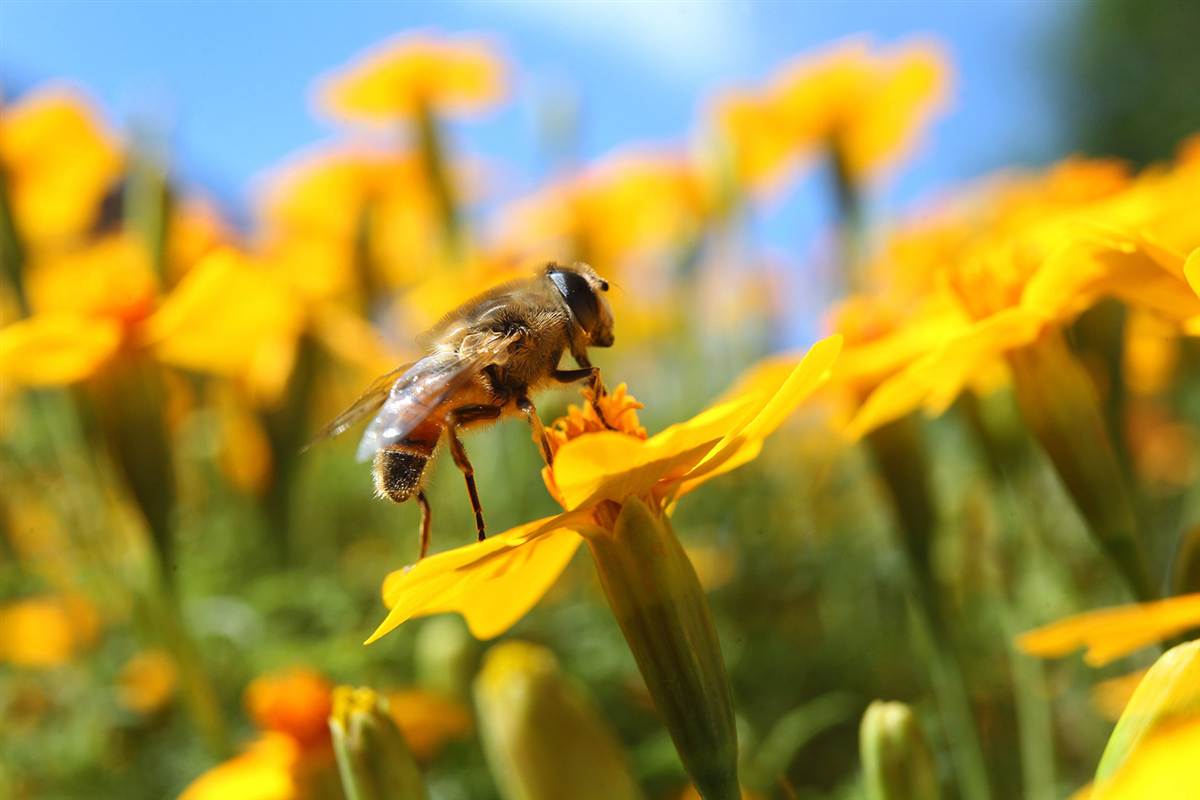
(58, 161)
(296, 703)
(414, 74)
(428, 721)
(147, 682)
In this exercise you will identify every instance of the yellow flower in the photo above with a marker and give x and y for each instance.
(495, 582)
(1152, 751)
(292, 755)
(412, 73)
(866, 106)
(42, 632)
(102, 302)
(58, 162)
(1110, 633)
(147, 682)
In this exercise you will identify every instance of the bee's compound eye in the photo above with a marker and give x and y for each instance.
(579, 296)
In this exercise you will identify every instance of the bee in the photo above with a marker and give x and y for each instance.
(483, 361)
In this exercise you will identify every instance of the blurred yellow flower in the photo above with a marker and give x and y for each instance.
(267, 770)
(428, 721)
(493, 583)
(58, 162)
(866, 106)
(1110, 633)
(414, 74)
(1152, 751)
(102, 302)
(42, 632)
(292, 755)
(147, 682)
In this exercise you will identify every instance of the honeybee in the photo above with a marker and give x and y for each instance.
(483, 361)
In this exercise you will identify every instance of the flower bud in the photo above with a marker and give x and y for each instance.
(896, 760)
(658, 602)
(1062, 409)
(543, 737)
(373, 759)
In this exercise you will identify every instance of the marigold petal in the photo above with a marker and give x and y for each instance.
(1152, 750)
(56, 349)
(266, 771)
(934, 380)
(613, 466)
(1110, 633)
(492, 583)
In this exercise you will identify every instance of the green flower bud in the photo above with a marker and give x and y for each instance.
(658, 602)
(896, 760)
(543, 737)
(373, 759)
(445, 656)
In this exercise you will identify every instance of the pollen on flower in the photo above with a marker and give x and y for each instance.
(619, 408)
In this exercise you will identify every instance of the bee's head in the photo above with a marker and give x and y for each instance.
(583, 290)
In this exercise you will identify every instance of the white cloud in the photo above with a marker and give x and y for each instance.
(678, 40)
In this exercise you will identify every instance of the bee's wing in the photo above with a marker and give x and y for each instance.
(427, 383)
(368, 403)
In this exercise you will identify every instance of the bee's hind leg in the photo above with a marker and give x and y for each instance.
(425, 522)
(456, 419)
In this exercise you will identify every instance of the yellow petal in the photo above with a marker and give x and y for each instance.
(393, 80)
(1191, 270)
(1152, 751)
(266, 771)
(1110, 633)
(226, 317)
(56, 349)
(936, 379)
(492, 583)
(812, 371)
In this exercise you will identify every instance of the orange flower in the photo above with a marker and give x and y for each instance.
(413, 74)
(147, 682)
(296, 703)
(428, 721)
(58, 163)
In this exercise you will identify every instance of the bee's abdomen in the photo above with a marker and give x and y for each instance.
(398, 472)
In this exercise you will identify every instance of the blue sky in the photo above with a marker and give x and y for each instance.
(232, 78)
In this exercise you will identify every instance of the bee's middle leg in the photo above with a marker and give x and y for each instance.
(455, 420)
(526, 407)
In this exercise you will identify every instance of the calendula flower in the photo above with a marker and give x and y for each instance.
(617, 488)
(58, 161)
(420, 71)
(44, 632)
(293, 753)
(1110, 633)
(866, 107)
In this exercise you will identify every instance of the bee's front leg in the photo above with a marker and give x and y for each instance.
(595, 384)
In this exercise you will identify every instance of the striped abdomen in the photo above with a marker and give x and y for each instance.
(399, 468)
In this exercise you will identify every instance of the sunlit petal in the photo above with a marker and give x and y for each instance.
(56, 349)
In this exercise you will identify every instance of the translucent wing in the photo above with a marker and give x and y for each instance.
(427, 383)
(368, 403)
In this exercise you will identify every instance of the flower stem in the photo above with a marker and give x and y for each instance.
(657, 600)
(12, 251)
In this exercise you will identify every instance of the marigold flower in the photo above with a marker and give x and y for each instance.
(296, 703)
(58, 162)
(867, 107)
(267, 770)
(43, 632)
(1110, 633)
(1152, 751)
(147, 682)
(493, 583)
(424, 70)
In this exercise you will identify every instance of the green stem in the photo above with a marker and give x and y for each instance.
(12, 251)
(437, 171)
